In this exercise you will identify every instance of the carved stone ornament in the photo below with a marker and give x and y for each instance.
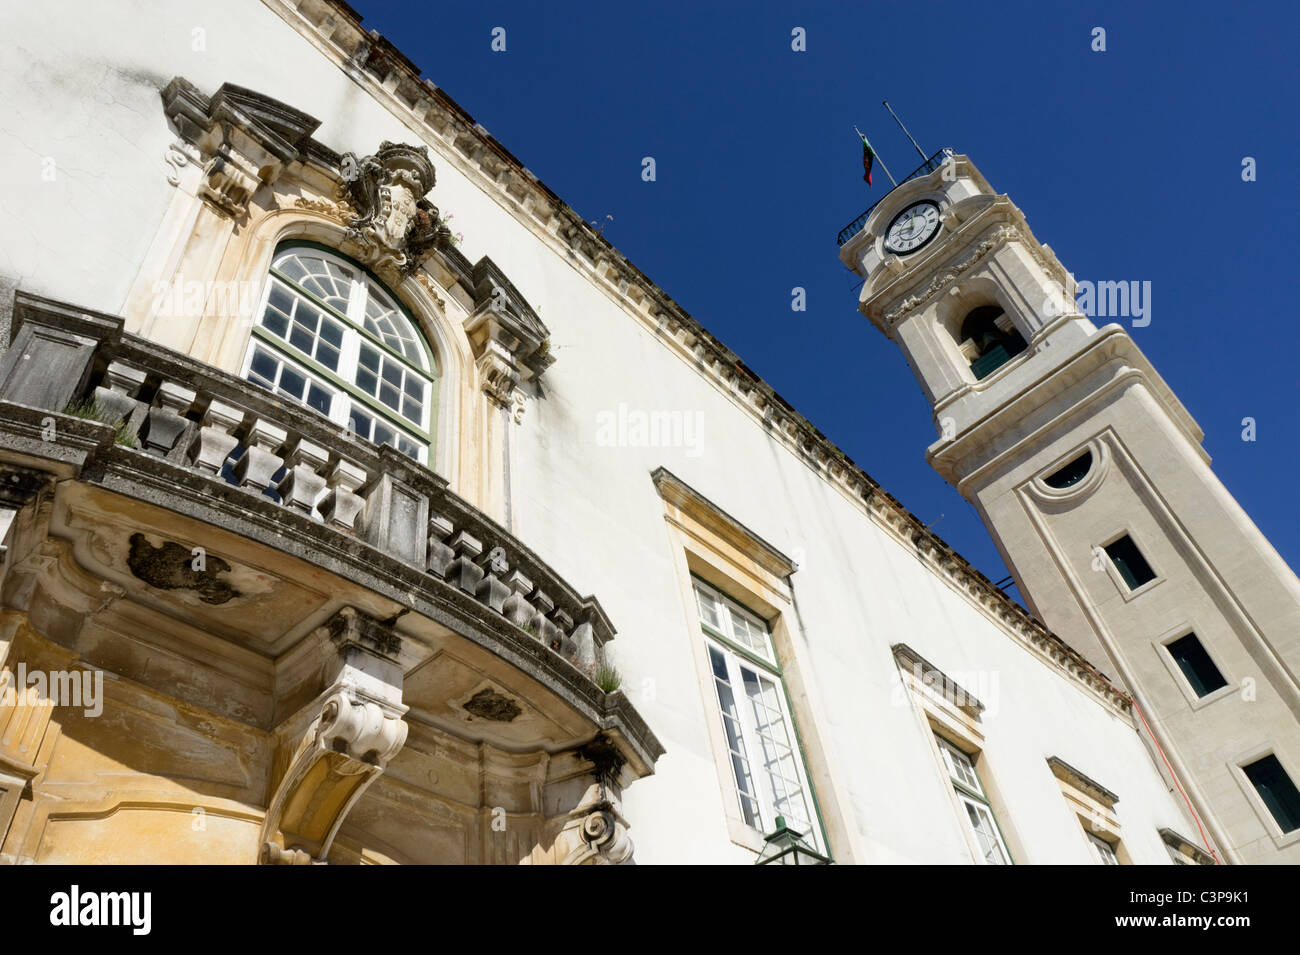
(395, 227)
(242, 139)
(999, 236)
(336, 746)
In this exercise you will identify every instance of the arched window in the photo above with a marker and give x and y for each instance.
(989, 340)
(331, 337)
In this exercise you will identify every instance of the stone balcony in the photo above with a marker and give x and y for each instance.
(358, 623)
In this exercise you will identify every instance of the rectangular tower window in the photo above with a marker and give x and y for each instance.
(1196, 665)
(1130, 563)
(1276, 790)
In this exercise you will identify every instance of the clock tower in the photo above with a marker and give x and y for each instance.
(1090, 475)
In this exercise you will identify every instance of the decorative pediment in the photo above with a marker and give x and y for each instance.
(243, 140)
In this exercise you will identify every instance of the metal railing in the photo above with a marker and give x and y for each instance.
(927, 167)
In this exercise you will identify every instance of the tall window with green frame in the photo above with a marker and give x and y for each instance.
(330, 336)
(762, 745)
(977, 814)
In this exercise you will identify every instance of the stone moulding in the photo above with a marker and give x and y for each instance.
(1086, 784)
(1185, 846)
(911, 661)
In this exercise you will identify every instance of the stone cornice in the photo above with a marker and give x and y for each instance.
(1085, 784)
(681, 495)
(963, 699)
(1110, 345)
(1184, 845)
(371, 60)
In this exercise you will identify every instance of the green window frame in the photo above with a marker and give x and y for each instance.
(765, 752)
(977, 812)
(332, 336)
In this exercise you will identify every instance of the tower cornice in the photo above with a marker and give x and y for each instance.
(1110, 346)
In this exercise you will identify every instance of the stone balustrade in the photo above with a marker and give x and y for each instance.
(224, 428)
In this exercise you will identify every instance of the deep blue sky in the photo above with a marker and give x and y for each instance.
(1127, 162)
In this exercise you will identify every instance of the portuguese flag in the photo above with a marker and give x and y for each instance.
(868, 157)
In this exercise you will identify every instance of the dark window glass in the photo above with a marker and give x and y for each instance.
(1277, 790)
(1196, 665)
(1072, 473)
(1130, 563)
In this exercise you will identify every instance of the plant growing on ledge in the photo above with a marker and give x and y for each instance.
(89, 410)
(604, 674)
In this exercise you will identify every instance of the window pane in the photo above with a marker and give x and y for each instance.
(981, 822)
(1104, 851)
(292, 382)
(280, 299)
(1196, 665)
(276, 322)
(1277, 791)
(735, 739)
(412, 410)
(708, 605)
(301, 339)
(264, 368)
(776, 749)
(318, 398)
(328, 356)
(1130, 563)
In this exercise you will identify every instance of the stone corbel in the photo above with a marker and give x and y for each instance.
(595, 832)
(510, 343)
(340, 743)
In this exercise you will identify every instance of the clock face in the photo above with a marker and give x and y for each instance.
(912, 228)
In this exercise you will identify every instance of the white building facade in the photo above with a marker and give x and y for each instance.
(241, 326)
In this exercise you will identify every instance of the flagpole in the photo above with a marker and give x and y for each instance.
(877, 155)
(885, 103)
